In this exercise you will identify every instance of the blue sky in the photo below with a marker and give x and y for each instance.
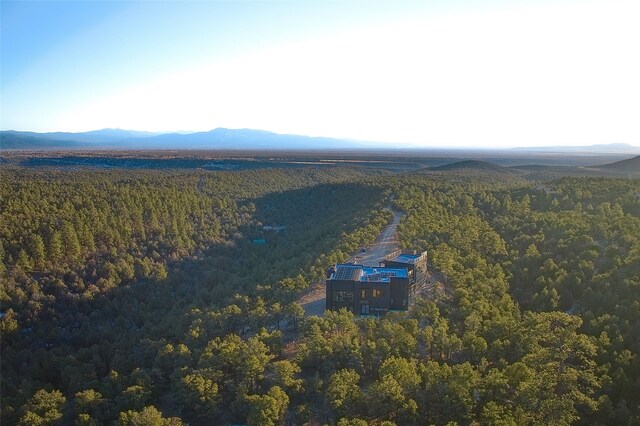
(431, 73)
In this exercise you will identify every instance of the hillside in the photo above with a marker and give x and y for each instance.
(18, 140)
(625, 168)
(473, 165)
(631, 165)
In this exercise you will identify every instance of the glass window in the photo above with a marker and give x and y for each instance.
(343, 296)
(363, 293)
(377, 293)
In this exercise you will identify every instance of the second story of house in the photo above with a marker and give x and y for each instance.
(367, 290)
(415, 263)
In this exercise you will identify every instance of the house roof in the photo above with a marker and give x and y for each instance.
(350, 272)
(409, 258)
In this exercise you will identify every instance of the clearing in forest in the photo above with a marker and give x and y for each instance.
(314, 303)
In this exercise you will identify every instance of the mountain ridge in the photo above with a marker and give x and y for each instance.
(630, 165)
(473, 165)
(621, 148)
(219, 138)
(225, 138)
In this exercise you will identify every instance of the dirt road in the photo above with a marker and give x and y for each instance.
(387, 242)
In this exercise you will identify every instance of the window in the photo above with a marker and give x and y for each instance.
(377, 293)
(343, 296)
(364, 309)
(363, 293)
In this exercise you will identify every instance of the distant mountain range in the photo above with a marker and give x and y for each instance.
(612, 148)
(226, 139)
(219, 138)
(27, 140)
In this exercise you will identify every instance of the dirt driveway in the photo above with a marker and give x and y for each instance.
(387, 242)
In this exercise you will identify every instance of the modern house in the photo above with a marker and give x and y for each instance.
(367, 290)
(416, 264)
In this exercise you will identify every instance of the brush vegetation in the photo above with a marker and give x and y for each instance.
(137, 297)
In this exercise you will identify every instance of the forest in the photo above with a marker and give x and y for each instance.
(158, 297)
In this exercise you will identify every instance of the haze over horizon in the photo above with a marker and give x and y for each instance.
(428, 74)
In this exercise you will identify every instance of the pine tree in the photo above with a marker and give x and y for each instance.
(37, 250)
(55, 248)
(70, 241)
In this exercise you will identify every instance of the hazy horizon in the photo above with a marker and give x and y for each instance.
(421, 75)
(355, 145)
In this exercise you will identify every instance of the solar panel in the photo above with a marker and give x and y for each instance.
(348, 272)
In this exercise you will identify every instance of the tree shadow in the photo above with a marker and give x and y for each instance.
(75, 343)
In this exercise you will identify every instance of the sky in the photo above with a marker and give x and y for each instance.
(433, 73)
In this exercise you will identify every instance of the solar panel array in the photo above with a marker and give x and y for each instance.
(348, 272)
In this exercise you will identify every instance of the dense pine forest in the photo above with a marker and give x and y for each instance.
(136, 297)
